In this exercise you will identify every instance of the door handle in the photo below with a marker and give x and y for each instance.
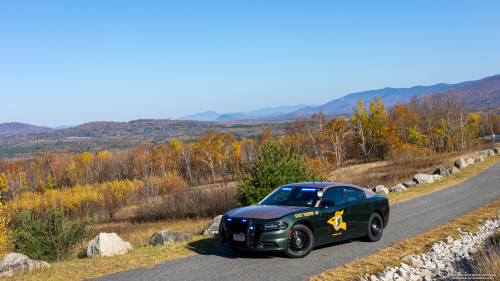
(369, 204)
(346, 210)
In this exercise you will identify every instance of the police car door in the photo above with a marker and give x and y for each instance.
(333, 228)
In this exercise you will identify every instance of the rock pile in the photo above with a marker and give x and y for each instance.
(447, 258)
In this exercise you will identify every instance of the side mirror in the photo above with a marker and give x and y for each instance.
(261, 198)
(327, 203)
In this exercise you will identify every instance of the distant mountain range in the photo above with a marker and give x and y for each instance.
(389, 97)
(236, 116)
(14, 128)
(482, 93)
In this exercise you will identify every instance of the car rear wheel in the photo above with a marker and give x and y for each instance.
(301, 241)
(375, 228)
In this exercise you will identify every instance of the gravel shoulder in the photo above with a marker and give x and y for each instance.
(408, 219)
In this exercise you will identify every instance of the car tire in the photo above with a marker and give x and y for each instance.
(301, 241)
(375, 228)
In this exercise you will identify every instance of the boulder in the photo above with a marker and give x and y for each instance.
(496, 150)
(423, 178)
(437, 177)
(478, 158)
(16, 263)
(484, 154)
(398, 188)
(409, 184)
(442, 172)
(164, 237)
(469, 161)
(107, 244)
(490, 152)
(381, 188)
(460, 163)
(213, 227)
(453, 170)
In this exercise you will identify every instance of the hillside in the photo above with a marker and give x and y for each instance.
(482, 94)
(21, 128)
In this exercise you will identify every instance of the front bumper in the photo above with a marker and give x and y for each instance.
(255, 240)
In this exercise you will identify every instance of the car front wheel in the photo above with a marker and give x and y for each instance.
(375, 228)
(301, 241)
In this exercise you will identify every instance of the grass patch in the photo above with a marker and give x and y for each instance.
(392, 256)
(427, 188)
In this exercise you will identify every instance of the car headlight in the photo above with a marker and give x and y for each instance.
(274, 226)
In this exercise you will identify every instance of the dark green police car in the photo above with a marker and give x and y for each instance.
(297, 217)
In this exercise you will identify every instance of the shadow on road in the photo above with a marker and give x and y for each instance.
(211, 247)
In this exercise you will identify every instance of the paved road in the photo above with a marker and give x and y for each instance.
(408, 219)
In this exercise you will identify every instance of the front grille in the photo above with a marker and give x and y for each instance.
(237, 225)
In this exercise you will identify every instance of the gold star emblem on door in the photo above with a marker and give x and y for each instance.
(337, 222)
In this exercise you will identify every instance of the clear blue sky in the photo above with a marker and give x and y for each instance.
(70, 62)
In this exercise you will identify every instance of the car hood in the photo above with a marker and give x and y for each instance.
(264, 211)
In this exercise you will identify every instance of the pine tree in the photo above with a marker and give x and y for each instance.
(275, 165)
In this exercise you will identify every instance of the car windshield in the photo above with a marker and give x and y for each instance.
(292, 196)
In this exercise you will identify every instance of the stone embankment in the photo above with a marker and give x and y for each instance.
(439, 174)
(447, 259)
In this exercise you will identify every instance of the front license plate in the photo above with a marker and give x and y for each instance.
(239, 237)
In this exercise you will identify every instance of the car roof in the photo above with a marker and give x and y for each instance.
(324, 185)
(318, 184)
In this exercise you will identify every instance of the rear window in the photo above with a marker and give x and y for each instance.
(353, 193)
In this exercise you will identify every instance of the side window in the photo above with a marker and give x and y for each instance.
(352, 193)
(362, 195)
(333, 194)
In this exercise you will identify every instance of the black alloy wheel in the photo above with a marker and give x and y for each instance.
(301, 241)
(375, 228)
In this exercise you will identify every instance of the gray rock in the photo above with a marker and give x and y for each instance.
(478, 158)
(381, 189)
(469, 161)
(490, 152)
(409, 184)
(442, 172)
(460, 163)
(453, 170)
(398, 188)
(437, 177)
(423, 178)
(107, 244)
(484, 153)
(16, 263)
(496, 150)
(213, 227)
(383, 192)
(165, 237)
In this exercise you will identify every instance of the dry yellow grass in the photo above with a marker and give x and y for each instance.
(392, 256)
